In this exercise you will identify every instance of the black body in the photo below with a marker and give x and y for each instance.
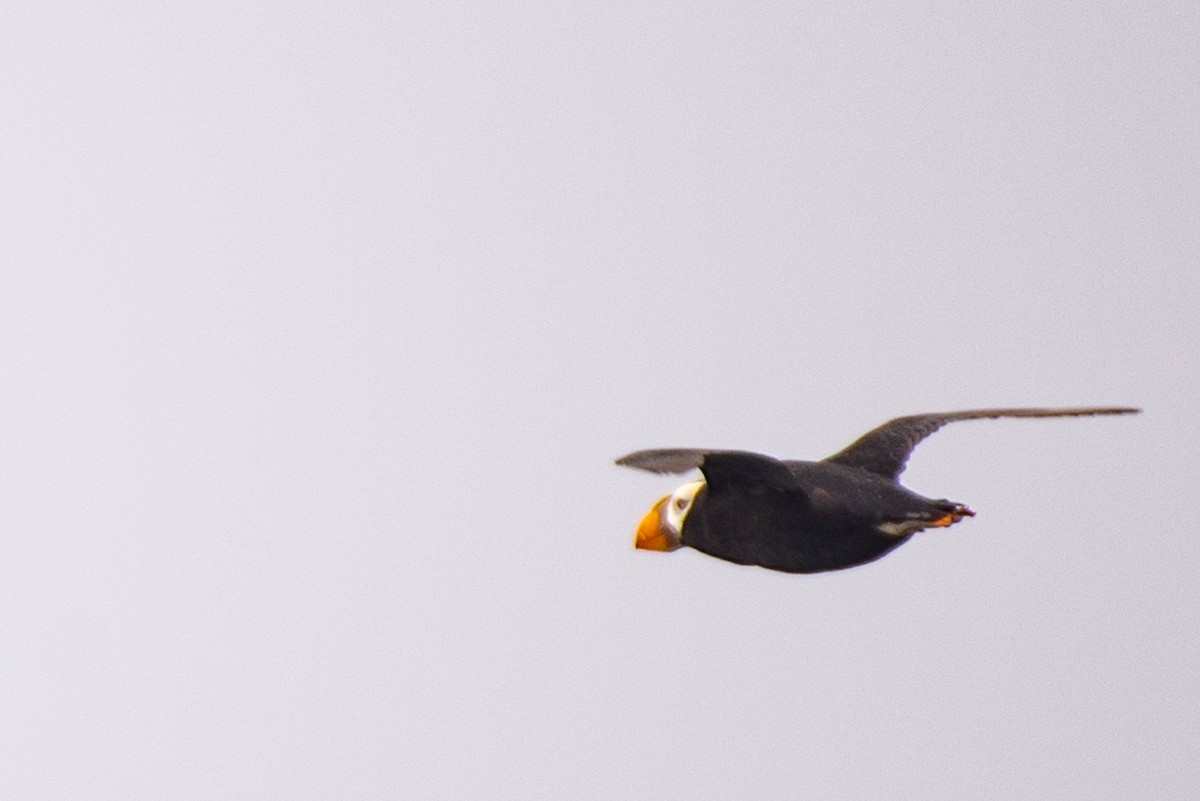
(808, 517)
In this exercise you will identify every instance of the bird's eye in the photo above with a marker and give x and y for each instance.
(681, 503)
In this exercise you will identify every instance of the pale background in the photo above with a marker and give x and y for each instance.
(321, 327)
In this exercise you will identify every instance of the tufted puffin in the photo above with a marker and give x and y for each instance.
(807, 517)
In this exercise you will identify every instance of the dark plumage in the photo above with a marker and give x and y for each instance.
(807, 517)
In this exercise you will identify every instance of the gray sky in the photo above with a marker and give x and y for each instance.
(322, 326)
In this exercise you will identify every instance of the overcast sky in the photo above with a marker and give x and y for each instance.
(321, 325)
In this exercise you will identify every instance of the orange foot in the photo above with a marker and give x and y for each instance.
(958, 512)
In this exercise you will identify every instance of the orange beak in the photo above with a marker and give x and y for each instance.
(653, 534)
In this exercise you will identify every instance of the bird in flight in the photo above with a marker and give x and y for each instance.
(807, 517)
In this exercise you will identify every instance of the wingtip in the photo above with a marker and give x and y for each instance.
(1118, 410)
(637, 461)
(627, 459)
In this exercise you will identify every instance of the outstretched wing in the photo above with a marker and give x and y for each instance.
(885, 450)
(721, 468)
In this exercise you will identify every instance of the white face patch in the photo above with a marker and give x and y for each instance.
(680, 503)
